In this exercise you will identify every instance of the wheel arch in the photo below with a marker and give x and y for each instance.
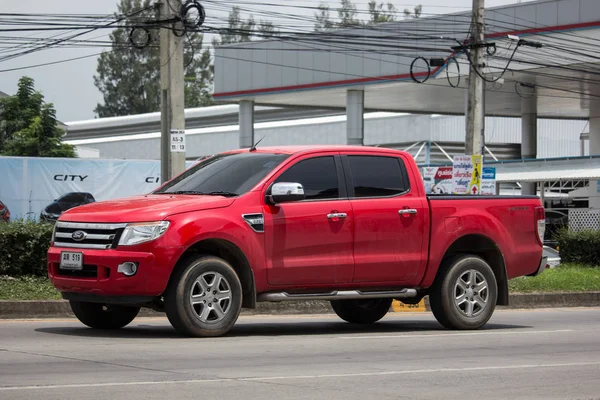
(229, 252)
(487, 249)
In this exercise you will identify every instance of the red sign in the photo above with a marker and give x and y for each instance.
(443, 173)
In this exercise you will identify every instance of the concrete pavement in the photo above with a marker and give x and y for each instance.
(542, 354)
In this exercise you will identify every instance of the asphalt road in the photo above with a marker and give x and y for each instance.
(550, 354)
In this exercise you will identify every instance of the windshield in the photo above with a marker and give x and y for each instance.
(225, 174)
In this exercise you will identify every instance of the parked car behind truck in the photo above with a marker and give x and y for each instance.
(349, 225)
(64, 203)
(4, 213)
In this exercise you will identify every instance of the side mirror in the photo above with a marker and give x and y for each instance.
(282, 192)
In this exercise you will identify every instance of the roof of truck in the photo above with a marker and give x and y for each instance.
(316, 148)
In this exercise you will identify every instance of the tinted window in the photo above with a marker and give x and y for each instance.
(234, 173)
(317, 175)
(375, 176)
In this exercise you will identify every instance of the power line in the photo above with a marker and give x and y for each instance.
(338, 41)
(59, 41)
(50, 63)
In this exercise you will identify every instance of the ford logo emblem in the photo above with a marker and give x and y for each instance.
(78, 236)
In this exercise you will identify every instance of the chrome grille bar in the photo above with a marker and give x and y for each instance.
(83, 245)
(87, 235)
(90, 236)
(85, 225)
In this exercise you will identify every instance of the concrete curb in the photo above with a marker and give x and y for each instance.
(554, 300)
(61, 309)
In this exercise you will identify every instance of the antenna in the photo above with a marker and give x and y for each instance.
(253, 148)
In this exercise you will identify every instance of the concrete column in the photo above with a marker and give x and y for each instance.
(529, 138)
(594, 148)
(355, 123)
(246, 121)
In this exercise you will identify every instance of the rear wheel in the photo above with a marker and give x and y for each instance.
(360, 311)
(204, 297)
(464, 295)
(104, 316)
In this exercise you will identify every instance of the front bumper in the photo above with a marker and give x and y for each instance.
(100, 276)
(541, 267)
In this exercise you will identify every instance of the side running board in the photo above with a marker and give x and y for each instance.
(337, 295)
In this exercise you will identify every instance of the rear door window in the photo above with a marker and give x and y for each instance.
(378, 176)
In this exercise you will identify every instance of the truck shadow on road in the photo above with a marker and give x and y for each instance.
(288, 327)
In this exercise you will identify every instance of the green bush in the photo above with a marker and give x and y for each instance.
(581, 247)
(24, 247)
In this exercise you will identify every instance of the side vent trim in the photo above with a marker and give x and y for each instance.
(255, 221)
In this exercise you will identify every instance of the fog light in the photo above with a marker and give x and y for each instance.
(128, 268)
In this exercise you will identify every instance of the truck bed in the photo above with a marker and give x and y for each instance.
(510, 225)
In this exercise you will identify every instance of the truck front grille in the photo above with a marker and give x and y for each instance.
(87, 235)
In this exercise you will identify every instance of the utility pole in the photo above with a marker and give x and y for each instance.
(172, 155)
(475, 101)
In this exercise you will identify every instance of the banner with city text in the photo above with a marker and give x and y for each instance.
(30, 186)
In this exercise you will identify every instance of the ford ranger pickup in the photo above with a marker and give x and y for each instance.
(351, 225)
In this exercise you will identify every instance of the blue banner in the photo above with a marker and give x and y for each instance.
(488, 173)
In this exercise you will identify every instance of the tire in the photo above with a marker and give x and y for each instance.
(453, 300)
(365, 311)
(201, 277)
(102, 316)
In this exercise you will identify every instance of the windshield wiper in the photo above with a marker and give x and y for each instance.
(221, 193)
(213, 193)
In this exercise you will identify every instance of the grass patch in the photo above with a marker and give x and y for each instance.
(565, 278)
(27, 288)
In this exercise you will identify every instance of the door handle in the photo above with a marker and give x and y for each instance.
(406, 211)
(336, 215)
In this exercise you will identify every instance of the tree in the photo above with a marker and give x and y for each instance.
(28, 125)
(347, 15)
(378, 14)
(324, 22)
(239, 30)
(129, 78)
(416, 13)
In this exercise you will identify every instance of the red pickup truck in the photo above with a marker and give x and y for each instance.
(351, 225)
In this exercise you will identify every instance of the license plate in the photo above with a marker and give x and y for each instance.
(70, 260)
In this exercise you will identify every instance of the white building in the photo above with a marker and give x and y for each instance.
(431, 139)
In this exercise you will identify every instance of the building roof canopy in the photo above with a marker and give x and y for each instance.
(318, 69)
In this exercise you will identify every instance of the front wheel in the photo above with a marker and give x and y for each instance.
(365, 311)
(102, 316)
(204, 297)
(464, 294)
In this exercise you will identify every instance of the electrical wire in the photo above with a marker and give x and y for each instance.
(50, 63)
(448, 72)
(59, 41)
(344, 43)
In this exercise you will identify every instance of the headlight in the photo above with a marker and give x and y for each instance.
(142, 232)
